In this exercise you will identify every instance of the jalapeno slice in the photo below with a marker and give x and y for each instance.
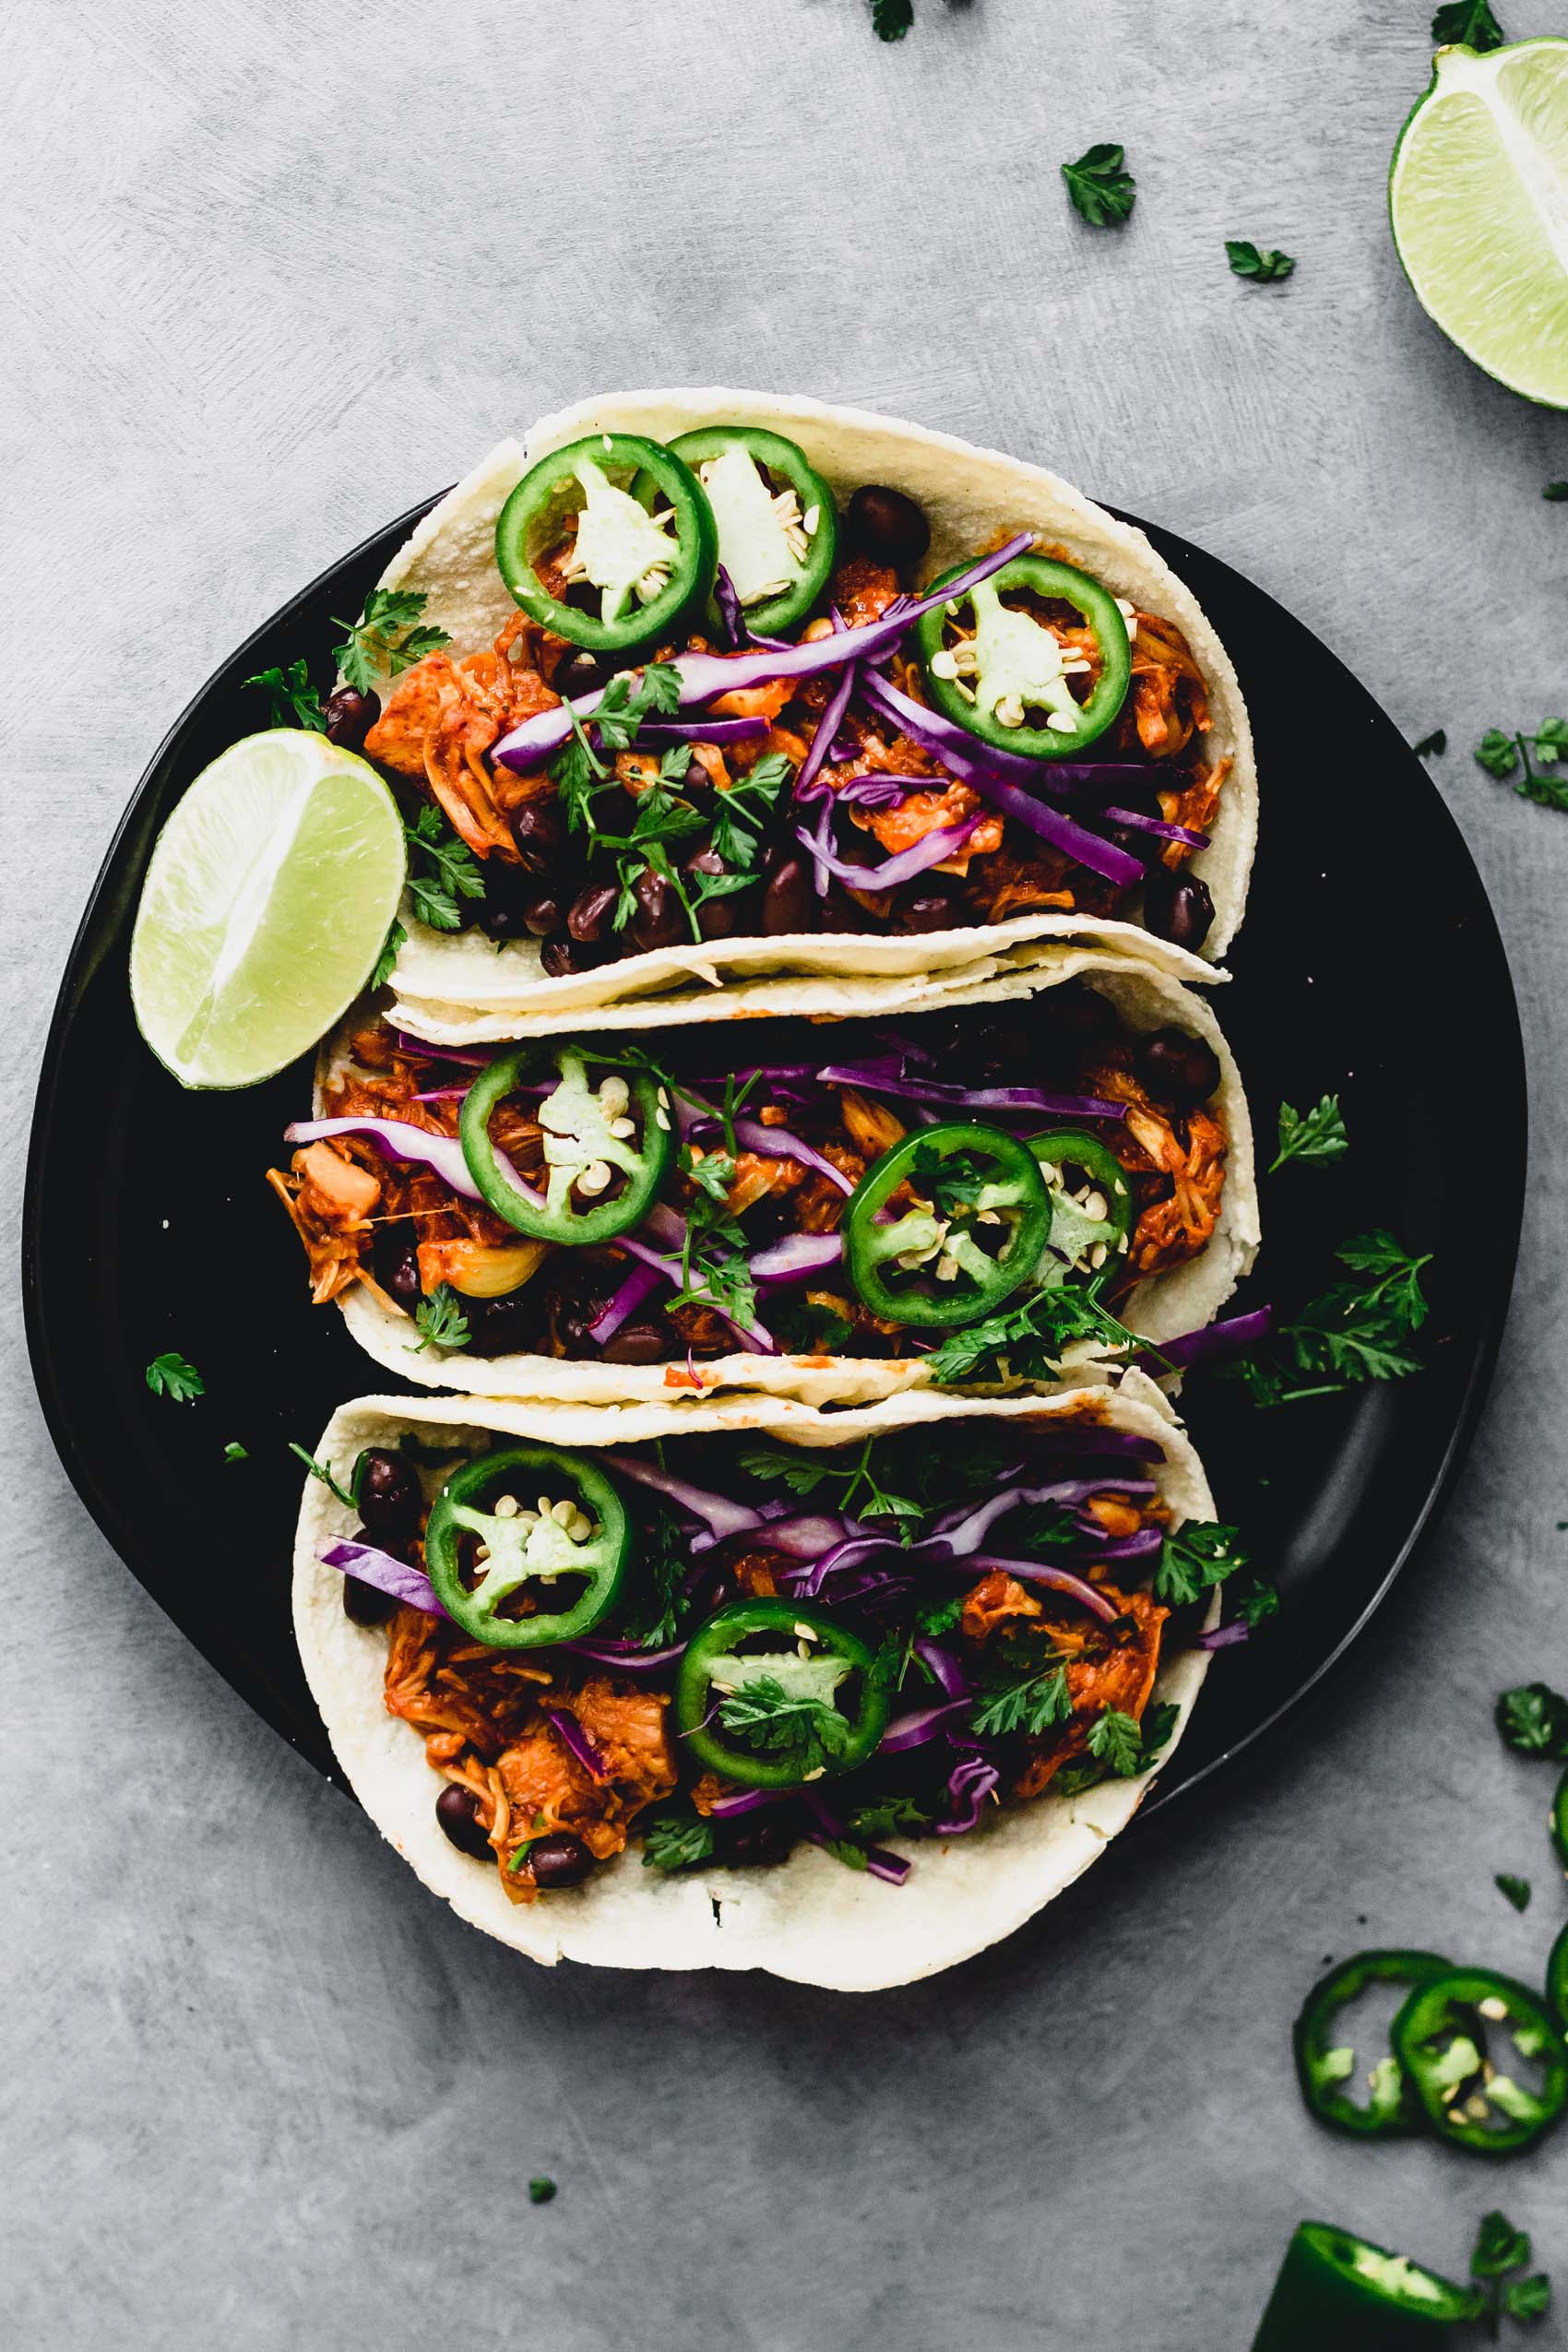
(586, 1144)
(1074, 1162)
(644, 564)
(1557, 1979)
(976, 1232)
(566, 1520)
(1560, 1821)
(801, 1701)
(988, 664)
(1336, 2289)
(778, 525)
(1441, 2039)
(1325, 2061)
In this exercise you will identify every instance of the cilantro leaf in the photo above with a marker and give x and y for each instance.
(891, 19)
(386, 640)
(675, 1840)
(441, 1318)
(1353, 1332)
(1506, 757)
(391, 948)
(1256, 1601)
(540, 2189)
(1470, 22)
(1431, 745)
(323, 1470)
(1030, 1705)
(800, 1473)
(745, 808)
(235, 1452)
(1500, 2248)
(1318, 1136)
(295, 702)
(663, 1559)
(1498, 753)
(442, 869)
(176, 1376)
(811, 1733)
(1195, 1558)
(939, 1616)
(1517, 1891)
(1116, 1742)
(1102, 189)
(1533, 1719)
(1029, 1339)
(1528, 2299)
(886, 1817)
(1556, 491)
(1265, 266)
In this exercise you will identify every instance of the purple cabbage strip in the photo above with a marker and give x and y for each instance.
(1033, 1098)
(965, 1532)
(395, 1139)
(640, 1284)
(706, 676)
(1214, 1339)
(1137, 822)
(658, 731)
(748, 1800)
(945, 841)
(925, 1724)
(624, 1658)
(797, 1257)
(1110, 1548)
(778, 1143)
(1035, 1572)
(827, 725)
(716, 1512)
(576, 1741)
(879, 1863)
(956, 751)
(970, 1784)
(388, 1575)
(728, 607)
(946, 1668)
(1225, 1637)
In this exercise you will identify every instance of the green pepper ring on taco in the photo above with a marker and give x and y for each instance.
(786, 1740)
(660, 794)
(829, 1211)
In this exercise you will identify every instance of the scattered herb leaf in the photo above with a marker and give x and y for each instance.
(295, 702)
(675, 1840)
(1470, 22)
(1195, 1558)
(235, 1452)
(891, 19)
(1318, 1136)
(1517, 1891)
(323, 1470)
(386, 640)
(540, 2189)
(1354, 1331)
(173, 1375)
(1102, 189)
(440, 1319)
(1533, 1719)
(1262, 264)
(1433, 745)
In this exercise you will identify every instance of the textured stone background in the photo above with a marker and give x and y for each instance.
(277, 270)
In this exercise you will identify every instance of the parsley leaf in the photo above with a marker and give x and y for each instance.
(1556, 491)
(1435, 744)
(675, 1840)
(1470, 22)
(1116, 1742)
(886, 1817)
(540, 2189)
(1500, 2247)
(1354, 1331)
(745, 808)
(860, 1480)
(235, 1452)
(1195, 1558)
(295, 702)
(1255, 1601)
(891, 19)
(1102, 190)
(1533, 1719)
(440, 1319)
(1505, 756)
(442, 869)
(1029, 1340)
(1318, 1136)
(173, 1375)
(1265, 266)
(323, 1470)
(386, 640)
(391, 948)
(1517, 1891)
(806, 1326)
(810, 1733)
(1528, 2299)
(939, 1616)
(1031, 1706)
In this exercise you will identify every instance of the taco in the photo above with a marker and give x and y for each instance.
(1038, 1173)
(847, 1698)
(692, 712)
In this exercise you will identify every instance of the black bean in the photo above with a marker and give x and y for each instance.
(350, 716)
(715, 917)
(927, 911)
(638, 1343)
(1177, 907)
(789, 897)
(580, 674)
(504, 1326)
(538, 831)
(457, 1810)
(388, 1495)
(588, 917)
(544, 914)
(1177, 1069)
(758, 1837)
(840, 912)
(365, 1604)
(887, 527)
(394, 1257)
(560, 1860)
(660, 920)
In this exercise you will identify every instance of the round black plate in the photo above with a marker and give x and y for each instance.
(1370, 965)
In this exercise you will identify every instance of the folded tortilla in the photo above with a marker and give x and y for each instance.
(970, 497)
(1159, 1308)
(810, 1919)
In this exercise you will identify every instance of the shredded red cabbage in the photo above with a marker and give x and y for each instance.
(1036, 1572)
(388, 1575)
(965, 1529)
(396, 1139)
(1225, 1637)
(748, 1800)
(658, 731)
(625, 1658)
(946, 1669)
(778, 1143)
(828, 727)
(1058, 1106)
(728, 607)
(924, 1725)
(797, 1257)
(576, 1741)
(893, 871)
(1137, 822)
(970, 1784)
(1214, 1339)
(640, 1284)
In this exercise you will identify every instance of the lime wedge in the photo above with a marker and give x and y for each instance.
(265, 907)
(1478, 198)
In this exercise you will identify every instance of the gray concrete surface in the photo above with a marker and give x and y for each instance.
(275, 271)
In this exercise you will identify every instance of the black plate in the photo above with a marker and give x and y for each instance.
(1369, 964)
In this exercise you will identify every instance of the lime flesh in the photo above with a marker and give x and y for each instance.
(1479, 201)
(267, 901)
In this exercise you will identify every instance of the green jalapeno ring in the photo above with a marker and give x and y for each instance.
(1045, 577)
(520, 1550)
(534, 516)
(1560, 1821)
(1557, 1979)
(1073, 1231)
(1323, 2061)
(643, 1158)
(870, 1246)
(1443, 2025)
(1335, 2288)
(772, 455)
(831, 1642)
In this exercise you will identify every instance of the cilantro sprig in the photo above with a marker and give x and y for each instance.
(891, 19)
(174, 1376)
(1026, 1342)
(1264, 264)
(1315, 1135)
(1533, 1720)
(1507, 756)
(323, 1470)
(1500, 2248)
(675, 1839)
(386, 639)
(441, 1320)
(1470, 22)
(1194, 1558)
(1103, 191)
(295, 702)
(1031, 1704)
(861, 1493)
(442, 869)
(1358, 1330)
(808, 1734)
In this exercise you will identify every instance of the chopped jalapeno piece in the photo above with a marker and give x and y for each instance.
(1073, 1161)
(1443, 2037)
(778, 525)
(641, 566)
(592, 1132)
(1557, 1979)
(972, 1232)
(775, 1693)
(1326, 2061)
(987, 664)
(1335, 2290)
(1560, 1821)
(537, 1515)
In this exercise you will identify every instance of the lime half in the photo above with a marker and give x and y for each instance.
(265, 907)
(1478, 198)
